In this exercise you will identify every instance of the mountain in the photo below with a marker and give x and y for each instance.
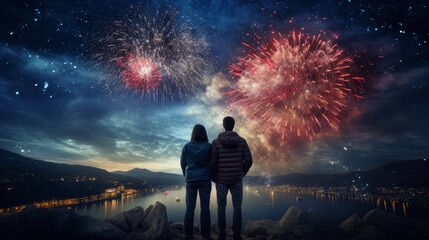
(411, 173)
(24, 180)
(158, 178)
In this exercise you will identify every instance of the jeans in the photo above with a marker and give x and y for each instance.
(236, 190)
(192, 187)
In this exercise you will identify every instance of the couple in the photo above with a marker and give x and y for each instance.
(226, 161)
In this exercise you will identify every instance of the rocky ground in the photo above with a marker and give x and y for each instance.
(152, 223)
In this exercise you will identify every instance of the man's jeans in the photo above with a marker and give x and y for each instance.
(236, 190)
(192, 187)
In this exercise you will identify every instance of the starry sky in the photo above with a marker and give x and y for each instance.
(55, 106)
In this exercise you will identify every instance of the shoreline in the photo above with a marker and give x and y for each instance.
(387, 202)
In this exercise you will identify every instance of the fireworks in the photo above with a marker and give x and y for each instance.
(140, 73)
(299, 85)
(153, 55)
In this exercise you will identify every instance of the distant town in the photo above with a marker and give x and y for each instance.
(29, 182)
(385, 197)
(108, 194)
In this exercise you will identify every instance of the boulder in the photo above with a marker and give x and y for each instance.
(352, 225)
(309, 217)
(305, 225)
(120, 222)
(377, 215)
(130, 220)
(285, 225)
(302, 232)
(290, 218)
(155, 224)
(258, 227)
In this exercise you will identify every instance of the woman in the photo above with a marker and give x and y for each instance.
(196, 169)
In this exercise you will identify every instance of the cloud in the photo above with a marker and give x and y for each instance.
(54, 107)
(217, 86)
(63, 118)
(42, 106)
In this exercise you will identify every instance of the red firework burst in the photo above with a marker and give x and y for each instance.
(140, 73)
(299, 84)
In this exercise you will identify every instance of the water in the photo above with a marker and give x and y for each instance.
(258, 203)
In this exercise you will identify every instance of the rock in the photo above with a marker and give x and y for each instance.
(290, 218)
(376, 215)
(309, 217)
(129, 221)
(285, 225)
(302, 232)
(306, 225)
(155, 224)
(34, 223)
(322, 229)
(352, 225)
(258, 228)
(178, 226)
(120, 222)
(370, 232)
(95, 229)
(383, 225)
(177, 230)
(56, 223)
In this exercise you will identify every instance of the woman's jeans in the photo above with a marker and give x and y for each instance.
(204, 188)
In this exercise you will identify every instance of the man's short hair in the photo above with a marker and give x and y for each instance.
(228, 123)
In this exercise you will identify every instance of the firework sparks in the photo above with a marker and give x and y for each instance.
(153, 55)
(300, 85)
(140, 73)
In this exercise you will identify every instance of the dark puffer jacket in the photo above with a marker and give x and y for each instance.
(230, 158)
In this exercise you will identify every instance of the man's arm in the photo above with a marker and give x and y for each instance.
(213, 159)
(183, 161)
(247, 158)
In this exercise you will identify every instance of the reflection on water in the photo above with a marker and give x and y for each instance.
(259, 203)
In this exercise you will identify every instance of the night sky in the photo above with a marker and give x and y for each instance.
(63, 97)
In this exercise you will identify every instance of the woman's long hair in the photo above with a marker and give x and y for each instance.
(199, 134)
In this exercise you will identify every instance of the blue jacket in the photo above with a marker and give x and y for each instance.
(195, 161)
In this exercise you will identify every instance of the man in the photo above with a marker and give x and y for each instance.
(230, 161)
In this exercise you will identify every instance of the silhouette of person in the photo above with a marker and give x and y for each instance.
(195, 163)
(230, 161)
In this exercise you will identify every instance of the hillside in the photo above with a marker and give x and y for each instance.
(412, 173)
(25, 180)
(158, 178)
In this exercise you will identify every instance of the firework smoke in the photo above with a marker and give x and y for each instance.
(153, 55)
(300, 85)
